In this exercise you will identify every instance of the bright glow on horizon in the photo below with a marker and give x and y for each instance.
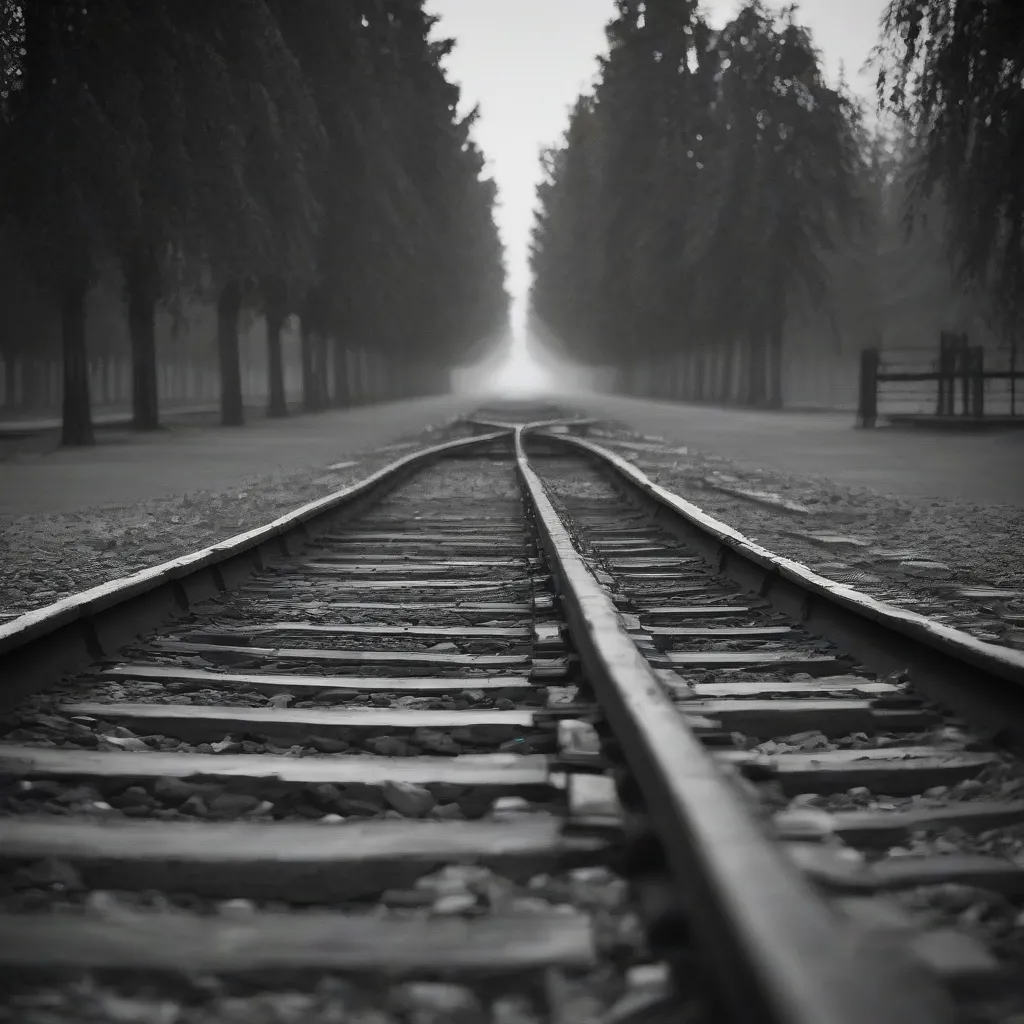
(519, 372)
(513, 367)
(526, 363)
(525, 104)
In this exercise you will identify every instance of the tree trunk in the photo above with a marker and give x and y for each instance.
(415, 379)
(374, 377)
(76, 428)
(10, 384)
(274, 302)
(140, 281)
(375, 383)
(32, 382)
(636, 377)
(361, 376)
(745, 377)
(229, 304)
(659, 384)
(640, 380)
(745, 372)
(725, 389)
(342, 391)
(390, 376)
(102, 392)
(51, 373)
(775, 363)
(310, 389)
(322, 368)
(756, 383)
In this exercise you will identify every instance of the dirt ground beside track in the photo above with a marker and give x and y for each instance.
(188, 456)
(979, 468)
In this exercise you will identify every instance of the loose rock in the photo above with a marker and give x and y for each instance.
(231, 805)
(50, 873)
(411, 800)
(456, 903)
(388, 746)
(438, 1003)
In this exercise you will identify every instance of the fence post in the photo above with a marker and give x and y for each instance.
(964, 369)
(978, 380)
(1013, 378)
(867, 402)
(947, 375)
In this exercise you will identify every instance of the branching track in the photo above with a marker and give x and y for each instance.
(505, 733)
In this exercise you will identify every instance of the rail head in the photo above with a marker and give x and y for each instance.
(33, 640)
(780, 953)
(943, 640)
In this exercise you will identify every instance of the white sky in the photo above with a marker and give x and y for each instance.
(526, 61)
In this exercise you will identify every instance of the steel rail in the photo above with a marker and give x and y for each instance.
(41, 645)
(495, 424)
(977, 679)
(780, 955)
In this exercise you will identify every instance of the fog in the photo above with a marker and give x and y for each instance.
(522, 364)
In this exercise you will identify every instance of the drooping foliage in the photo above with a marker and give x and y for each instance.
(12, 34)
(291, 157)
(954, 70)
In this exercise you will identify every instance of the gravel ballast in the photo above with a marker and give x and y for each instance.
(918, 553)
(47, 557)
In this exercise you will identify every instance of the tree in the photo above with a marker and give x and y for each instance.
(307, 158)
(954, 70)
(66, 178)
(618, 194)
(694, 195)
(783, 185)
(404, 212)
(566, 254)
(327, 39)
(256, 132)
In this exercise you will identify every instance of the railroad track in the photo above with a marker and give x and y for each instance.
(505, 733)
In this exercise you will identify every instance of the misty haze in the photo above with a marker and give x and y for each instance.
(511, 511)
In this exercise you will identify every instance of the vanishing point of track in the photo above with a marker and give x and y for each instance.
(510, 653)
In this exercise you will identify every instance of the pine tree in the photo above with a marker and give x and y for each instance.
(305, 157)
(954, 69)
(692, 199)
(66, 179)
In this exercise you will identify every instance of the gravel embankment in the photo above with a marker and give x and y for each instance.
(992, 919)
(44, 558)
(916, 553)
(623, 981)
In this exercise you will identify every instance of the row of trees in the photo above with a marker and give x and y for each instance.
(300, 156)
(714, 188)
(954, 74)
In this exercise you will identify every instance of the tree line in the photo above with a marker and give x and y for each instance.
(296, 157)
(714, 187)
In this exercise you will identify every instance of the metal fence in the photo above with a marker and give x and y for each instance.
(955, 381)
